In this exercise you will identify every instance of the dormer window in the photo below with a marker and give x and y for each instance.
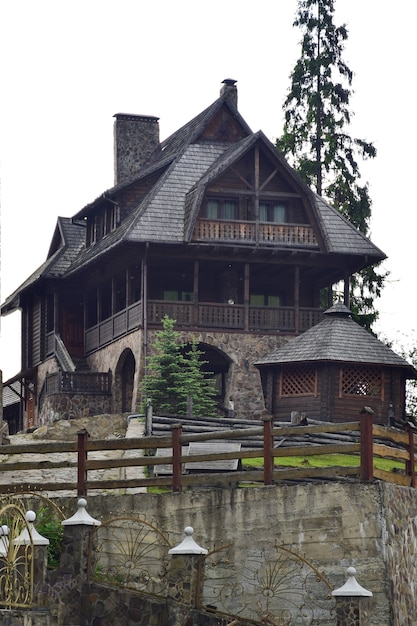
(102, 223)
(221, 209)
(275, 212)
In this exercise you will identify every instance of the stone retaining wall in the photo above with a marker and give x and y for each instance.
(372, 526)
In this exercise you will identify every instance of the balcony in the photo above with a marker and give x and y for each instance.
(294, 235)
(207, 315)
(78, 383)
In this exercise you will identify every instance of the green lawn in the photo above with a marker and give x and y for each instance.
(325, 460)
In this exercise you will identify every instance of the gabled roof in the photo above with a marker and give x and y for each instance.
(178, 172)
(68, 240)
(337, 338)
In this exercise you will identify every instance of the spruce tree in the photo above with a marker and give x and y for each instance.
(164, 383)
(199, 385)
(174, 374)
(315, 137)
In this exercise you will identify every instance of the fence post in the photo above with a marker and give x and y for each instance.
(176, 457)
(367, 455)
(268, 447)
(185, 577)
(410, 465)
(352, 602)
(82, 458)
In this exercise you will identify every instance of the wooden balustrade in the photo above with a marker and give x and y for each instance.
(78, 382)
(295, 235)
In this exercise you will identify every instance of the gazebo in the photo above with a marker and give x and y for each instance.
(332, 371)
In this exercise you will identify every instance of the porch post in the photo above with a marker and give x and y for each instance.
(246, 295)
(195, 292)
(346, 292)
(297, 300)
(145, 306)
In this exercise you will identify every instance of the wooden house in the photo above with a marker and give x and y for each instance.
(332, 371)
(210, 226)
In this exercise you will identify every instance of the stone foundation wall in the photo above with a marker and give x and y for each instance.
(69, 406)
(243, 384)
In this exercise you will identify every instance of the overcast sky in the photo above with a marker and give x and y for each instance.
(68, 67)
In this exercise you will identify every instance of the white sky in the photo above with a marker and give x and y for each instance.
(68, 67)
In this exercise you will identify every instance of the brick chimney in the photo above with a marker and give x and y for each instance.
(229, 88)
(135, 138)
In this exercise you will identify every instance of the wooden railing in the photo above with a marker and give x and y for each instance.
(78, 382)
(202, 315)
(249, 232)
(365, 442)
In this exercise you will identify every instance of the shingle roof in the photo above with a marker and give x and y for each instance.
(337, 338)
(68, 240)
(182, 167)
(11, 394)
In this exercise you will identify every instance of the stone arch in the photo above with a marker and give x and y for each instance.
(124, 381)
(218, 362)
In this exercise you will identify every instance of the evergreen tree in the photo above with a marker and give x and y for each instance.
(315, 137)
(175, 374)
(199, 385)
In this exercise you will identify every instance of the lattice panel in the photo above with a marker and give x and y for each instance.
(361, 381)
(299, 381)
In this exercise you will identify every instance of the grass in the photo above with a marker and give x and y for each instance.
(326, 460)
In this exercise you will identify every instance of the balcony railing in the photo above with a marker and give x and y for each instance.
(246, 232)
(78, 382)
(203, 315)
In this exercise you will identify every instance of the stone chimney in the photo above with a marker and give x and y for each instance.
(135, 138)
(229, 88)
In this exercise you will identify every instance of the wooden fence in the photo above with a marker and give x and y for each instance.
(363, 440)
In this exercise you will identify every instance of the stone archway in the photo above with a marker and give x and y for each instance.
(218, 363)
(124, 379)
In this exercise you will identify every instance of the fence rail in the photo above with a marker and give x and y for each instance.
(366, 443)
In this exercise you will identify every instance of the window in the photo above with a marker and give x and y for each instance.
(260, 299)
(272, 212)
(221, 209)
(178, 296)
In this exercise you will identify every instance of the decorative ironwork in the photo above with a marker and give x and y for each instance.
(281, 588)
(16, 558)
(130, 552)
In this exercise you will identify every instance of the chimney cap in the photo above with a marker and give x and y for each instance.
(229, 82)
(133, 117)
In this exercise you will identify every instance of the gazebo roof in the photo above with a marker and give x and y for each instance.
(337, 338)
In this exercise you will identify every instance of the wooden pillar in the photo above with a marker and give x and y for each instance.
(256, 194)
(246, 295)
(297, 300)
(366, 445)
(410, 464)
(81, 465)
(196, 287)
(176, 457)
(268, 448)
(144, 298)
(346, 291)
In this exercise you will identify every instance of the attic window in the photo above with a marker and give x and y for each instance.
(221, 209)
(298, 381)
(361, 381)
(275, 212)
